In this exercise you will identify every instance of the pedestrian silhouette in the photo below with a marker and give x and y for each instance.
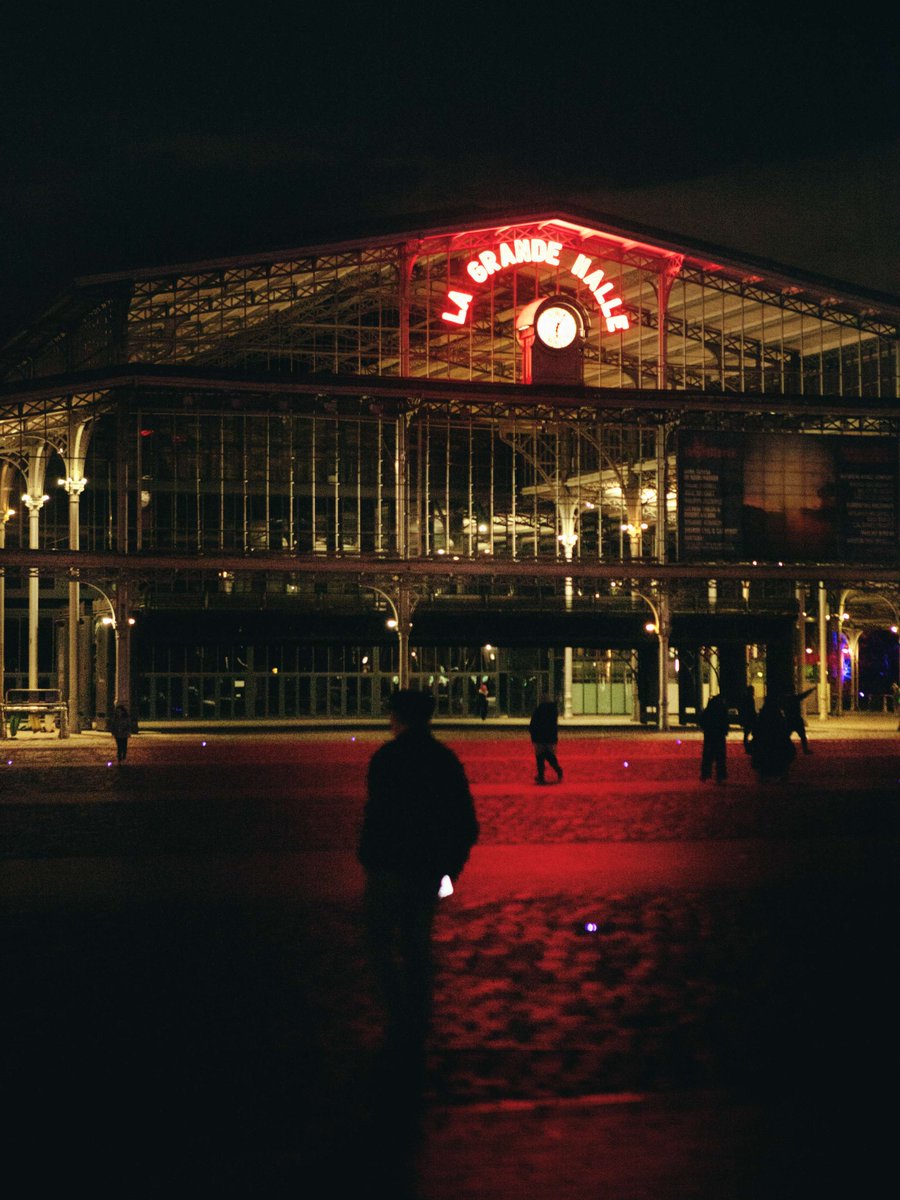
(714, 723)
(792, 707)
(419, 825)
(771, 748)
(747, 714)
(482, 700)
(544, 731)
(120, 727)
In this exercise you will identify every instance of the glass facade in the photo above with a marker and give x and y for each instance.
(252, 428)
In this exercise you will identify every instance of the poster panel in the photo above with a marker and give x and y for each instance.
(710, 495)
(787, 497)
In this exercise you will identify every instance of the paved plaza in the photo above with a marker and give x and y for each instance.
(647, 987)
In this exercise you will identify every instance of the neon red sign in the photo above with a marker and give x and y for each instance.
(536, 250)
(462, 300)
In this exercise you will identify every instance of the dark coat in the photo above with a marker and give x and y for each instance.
(120, 725)
(544, 724)
(419, 819)
(792, 708)
(771, 748)
(714, 720)
(747, 708)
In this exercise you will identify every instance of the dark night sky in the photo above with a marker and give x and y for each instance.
(177, 136)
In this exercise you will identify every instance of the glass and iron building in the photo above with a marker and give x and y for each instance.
(550, 450)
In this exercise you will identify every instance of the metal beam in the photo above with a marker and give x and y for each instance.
(53, 562)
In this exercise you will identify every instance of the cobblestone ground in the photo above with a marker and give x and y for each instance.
(258, 1014)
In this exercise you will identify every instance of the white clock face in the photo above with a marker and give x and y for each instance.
(557, 327)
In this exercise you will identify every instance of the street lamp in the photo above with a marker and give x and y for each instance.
(394, 622)
(657, 627)
(111, 622)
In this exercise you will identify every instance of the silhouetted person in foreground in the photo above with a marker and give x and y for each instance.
(714, 723)
(544, 731)
(792, 707)
(747, 715)
(120, 728)
(771, 748)
(419, 825)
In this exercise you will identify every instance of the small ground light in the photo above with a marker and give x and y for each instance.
(590, 926)
(203, 743)
(625, 763)
(678, 741)
(109, 762)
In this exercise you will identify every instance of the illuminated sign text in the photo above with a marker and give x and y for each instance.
(536, 250)
(462, 300)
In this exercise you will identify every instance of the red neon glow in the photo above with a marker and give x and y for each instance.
(523, 250)
(536, 250)
(462, 300)
(580, 268)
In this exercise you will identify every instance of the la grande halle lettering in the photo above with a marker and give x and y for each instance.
(535, 250)
(523, 250)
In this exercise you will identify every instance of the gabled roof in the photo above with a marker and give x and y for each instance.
(424, 227)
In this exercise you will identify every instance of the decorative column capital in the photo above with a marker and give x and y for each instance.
(74, 486)
(34, 504)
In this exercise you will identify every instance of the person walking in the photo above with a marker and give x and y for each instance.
(747, 714)
(714, 723)
(792, 707)
(544, 730)
(419, 824)
(482, 699)
(120, 726)
(771, 748)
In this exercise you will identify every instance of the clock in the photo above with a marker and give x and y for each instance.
(552, 332)
(557, 326)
